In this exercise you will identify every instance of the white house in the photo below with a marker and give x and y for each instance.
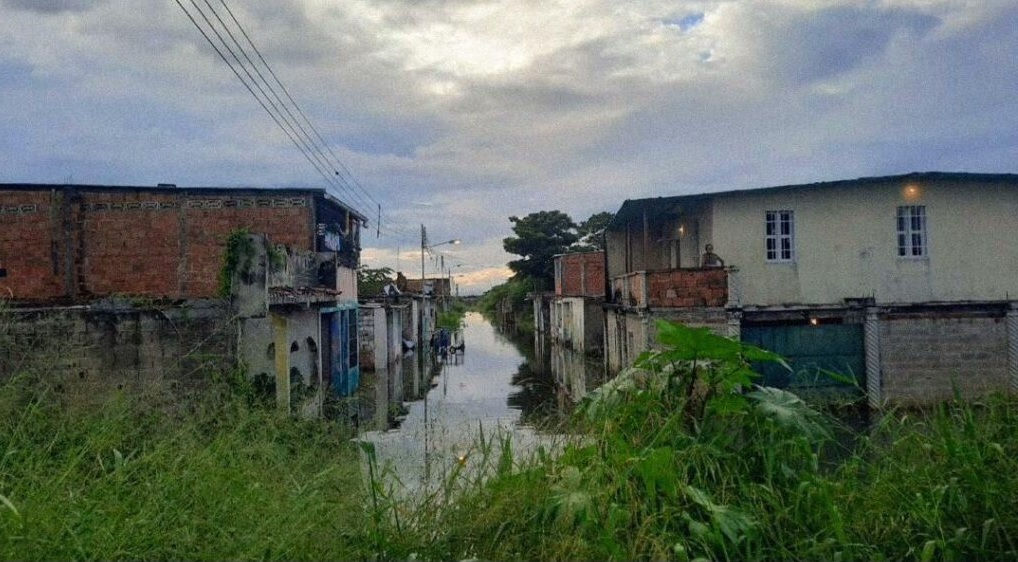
(907, 282)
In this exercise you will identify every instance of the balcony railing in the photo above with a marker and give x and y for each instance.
(673, 288)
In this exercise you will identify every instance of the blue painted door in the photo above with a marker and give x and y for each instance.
(812, 352)
(343, 351)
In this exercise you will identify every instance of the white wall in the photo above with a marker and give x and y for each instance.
(346, 283)
(846, 243)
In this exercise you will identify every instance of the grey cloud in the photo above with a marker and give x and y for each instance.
(53, 6)
(830, 42)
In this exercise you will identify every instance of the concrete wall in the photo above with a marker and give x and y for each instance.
(256, 347)
(346, 283)
(846, 242)
(286, 348)
(542, 305)
(578, 323)
(373, 336)
(927, 357)
(631, 332)
(305, 362)
(86, 354)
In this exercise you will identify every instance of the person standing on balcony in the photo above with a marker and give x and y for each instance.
(710, 259)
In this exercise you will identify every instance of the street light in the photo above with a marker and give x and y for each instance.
(425, 247)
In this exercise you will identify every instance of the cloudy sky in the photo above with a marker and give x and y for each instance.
(457, 114)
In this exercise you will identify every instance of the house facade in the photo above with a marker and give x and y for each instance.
(291, 286)
(576, 315)
(905, 283)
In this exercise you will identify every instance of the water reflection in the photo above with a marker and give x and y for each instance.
(491, 389)
(576, 374)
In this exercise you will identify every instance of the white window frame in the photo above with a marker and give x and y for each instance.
(912, 232)
(779, 242)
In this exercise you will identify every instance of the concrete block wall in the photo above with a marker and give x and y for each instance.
(85, 355)
(924, 358)
(206, 230)
(371, 320)
(630, 333)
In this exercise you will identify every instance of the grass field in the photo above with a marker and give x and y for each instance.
(668, 464)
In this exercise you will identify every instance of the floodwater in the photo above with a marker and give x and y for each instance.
(461, 412)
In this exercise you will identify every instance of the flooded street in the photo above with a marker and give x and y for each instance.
(495, 390)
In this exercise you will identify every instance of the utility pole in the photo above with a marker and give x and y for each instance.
(424, 246)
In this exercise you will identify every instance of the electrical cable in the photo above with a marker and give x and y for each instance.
(298, 107)
(311, 146)
(329, 180)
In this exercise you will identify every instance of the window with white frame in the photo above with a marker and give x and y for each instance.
(912, 231)
(779, 236)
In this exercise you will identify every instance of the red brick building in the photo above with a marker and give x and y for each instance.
(576, 317)
(72, 243)
(580, 275)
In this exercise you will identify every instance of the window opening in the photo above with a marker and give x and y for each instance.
(912, 231)
(779, 236)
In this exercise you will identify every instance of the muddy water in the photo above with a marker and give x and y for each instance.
(497, 389)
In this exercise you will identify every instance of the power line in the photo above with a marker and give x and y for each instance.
(297, 106)
(294, 125)
(265, 103)
(312, 145)
(315, 152)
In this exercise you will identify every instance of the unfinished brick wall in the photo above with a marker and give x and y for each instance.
(924, 359)
(130, 244)
(582, 275)
(74, 244)
(30, 245)
(683, 288)
(207, 228)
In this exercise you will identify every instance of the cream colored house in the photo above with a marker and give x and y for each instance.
(907, 282)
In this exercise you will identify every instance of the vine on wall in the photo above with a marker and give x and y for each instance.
(238, 258)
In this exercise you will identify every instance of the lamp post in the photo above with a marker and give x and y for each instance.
(425, 247)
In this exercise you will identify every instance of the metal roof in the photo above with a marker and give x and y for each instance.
(653, 206)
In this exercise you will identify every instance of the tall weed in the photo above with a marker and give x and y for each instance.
(685, 459)
(230, 482)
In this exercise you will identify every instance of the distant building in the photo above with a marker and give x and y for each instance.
(576, 314)
(432, 286)
(906, 282)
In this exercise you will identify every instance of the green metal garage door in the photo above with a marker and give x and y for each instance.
(811, 350)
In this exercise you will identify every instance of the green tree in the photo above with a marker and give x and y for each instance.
(591, 232)
(539, 237)
(370, 281)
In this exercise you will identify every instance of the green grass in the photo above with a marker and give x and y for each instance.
(674, 468)
(224, 481)
(667, 462)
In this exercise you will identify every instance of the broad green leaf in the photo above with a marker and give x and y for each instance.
(789, 410)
